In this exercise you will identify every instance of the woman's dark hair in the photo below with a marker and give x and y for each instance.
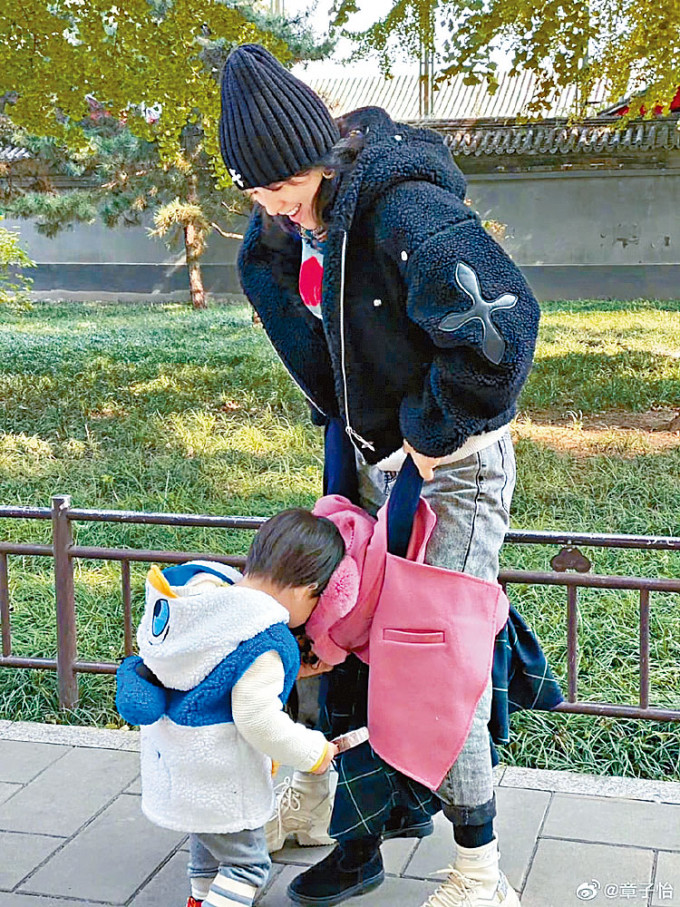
(296, 548)
(340, 160)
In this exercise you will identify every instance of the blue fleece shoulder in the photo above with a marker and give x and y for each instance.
(180, 574)
(210, 701)
(141, 699)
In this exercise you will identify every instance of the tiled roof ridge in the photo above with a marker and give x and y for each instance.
(595, 136)
(11, 153)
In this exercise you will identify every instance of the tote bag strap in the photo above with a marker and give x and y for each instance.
(402, 506)
(340, 477)
(339, 462)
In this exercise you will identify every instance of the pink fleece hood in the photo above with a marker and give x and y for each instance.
(342, 592)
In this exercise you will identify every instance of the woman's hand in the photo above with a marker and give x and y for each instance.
(319, 667)
(331, 753)
(424, 465)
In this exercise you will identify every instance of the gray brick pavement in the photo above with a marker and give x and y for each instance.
(72, 833)
(560, 867)
(7, 790)
(120, 836)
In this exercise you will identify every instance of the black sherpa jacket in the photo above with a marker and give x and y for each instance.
(428, 327)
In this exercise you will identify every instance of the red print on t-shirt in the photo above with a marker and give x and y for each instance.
(311, 277)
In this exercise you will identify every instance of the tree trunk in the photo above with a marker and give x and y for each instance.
(194, 247)
(193, 266)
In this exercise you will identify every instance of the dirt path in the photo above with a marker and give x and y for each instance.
(614, 433)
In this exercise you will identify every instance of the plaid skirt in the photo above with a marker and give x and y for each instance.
(369, 789)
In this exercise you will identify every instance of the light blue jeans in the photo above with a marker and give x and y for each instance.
(471, 499)
(240, 855)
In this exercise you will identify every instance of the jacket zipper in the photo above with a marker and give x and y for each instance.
(348, 428)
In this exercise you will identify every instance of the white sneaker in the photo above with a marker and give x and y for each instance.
(294, 816)
(462, 891)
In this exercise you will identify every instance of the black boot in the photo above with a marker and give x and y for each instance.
(405, 823)
(350, 868)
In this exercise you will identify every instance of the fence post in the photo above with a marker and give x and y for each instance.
(67, 652)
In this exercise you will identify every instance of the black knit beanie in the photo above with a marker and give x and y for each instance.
(272, 125)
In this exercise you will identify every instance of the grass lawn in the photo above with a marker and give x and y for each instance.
(163, 408)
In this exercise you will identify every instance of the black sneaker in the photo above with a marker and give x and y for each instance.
(349, 869)
(404, 824)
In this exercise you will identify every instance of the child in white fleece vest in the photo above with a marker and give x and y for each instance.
(216, 665)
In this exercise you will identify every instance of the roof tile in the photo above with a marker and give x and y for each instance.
(9, 154)
(452, 99)
(550, 138)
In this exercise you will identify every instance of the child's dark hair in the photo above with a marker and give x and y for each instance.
(296, 548)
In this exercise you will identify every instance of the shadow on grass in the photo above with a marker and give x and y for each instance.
(103, 389)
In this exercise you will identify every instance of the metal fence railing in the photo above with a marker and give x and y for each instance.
(570, 568)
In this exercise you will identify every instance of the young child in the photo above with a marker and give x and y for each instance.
(217, 663)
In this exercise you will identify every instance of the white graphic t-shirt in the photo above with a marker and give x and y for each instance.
(311, 274)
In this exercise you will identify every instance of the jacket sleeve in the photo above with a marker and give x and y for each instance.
(269, 269)
(260, 719)
(473, 303)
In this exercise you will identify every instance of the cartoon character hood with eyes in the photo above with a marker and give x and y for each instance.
(200, 632)
(195, 617)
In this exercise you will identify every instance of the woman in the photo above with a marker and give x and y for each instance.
(396, 313)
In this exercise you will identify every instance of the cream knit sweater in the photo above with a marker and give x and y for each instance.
(258, 715)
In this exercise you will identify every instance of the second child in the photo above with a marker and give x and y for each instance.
(216, 665)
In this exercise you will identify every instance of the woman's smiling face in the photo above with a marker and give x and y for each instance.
(293, 198)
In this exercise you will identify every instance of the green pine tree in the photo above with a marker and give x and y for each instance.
(148, 143)
(119, 180)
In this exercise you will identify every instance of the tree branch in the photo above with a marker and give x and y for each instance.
(224, 233)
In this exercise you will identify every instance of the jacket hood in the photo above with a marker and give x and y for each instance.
(187, 630)
(392, 153)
